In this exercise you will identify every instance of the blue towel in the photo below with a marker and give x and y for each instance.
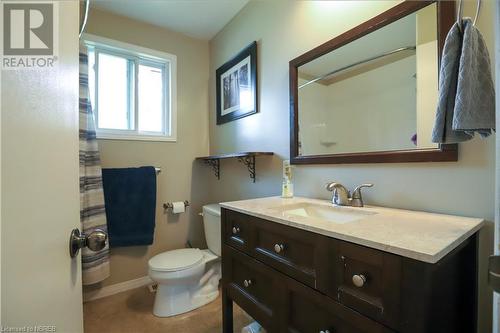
(130, 199)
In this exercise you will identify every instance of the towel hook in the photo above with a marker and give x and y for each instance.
(85, 17)
(478, 8)
(460, 13)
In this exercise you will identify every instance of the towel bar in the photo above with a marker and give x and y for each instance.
(169, 205)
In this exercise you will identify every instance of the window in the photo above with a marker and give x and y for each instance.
(132, 91)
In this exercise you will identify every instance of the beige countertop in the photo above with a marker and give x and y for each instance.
(422, 236)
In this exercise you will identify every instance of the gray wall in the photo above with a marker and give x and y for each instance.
(284, 30)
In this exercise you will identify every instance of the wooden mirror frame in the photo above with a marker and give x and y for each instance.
(443, 153)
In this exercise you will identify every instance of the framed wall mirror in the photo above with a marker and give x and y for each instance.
(369, 95)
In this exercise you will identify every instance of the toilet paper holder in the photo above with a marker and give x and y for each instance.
(169, 205)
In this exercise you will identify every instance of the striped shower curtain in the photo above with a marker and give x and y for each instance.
(95, 265)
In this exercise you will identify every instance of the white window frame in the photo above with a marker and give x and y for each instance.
(140, 55)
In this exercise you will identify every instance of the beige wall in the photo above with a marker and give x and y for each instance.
(178, 180)
(284, 30)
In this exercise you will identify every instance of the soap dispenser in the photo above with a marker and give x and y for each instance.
(287, 187)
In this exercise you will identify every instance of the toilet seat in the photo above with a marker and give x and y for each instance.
(176, 260)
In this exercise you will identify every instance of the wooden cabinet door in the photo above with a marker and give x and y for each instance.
(307, 311)
(254, 286)
(366, 280)
(299, 254)
(237, 230)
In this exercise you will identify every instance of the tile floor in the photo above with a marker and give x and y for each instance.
(131, 311)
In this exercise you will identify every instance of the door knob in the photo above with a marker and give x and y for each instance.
(359, 280)
(236, 230)
(95, 241)
(247, 283)
(278, 248)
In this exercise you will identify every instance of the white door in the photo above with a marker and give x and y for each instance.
(496, 295)
(41, 284)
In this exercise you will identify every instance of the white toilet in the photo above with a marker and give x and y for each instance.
(189, 278)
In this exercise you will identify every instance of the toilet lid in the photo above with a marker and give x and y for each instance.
(175, 260)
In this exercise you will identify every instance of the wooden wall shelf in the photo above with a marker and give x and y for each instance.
(247, 158)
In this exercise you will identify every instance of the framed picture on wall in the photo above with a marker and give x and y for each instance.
(236, 83)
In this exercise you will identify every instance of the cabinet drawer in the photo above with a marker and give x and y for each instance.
(307, 311)
(297, 253)
(300, 254)
(252, 285)
(237, 230)
(366, 280)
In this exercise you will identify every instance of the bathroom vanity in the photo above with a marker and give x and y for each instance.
(303, 265)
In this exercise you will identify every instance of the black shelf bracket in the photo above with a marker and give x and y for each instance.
(247, 158)
(249, 162)
(215, 165)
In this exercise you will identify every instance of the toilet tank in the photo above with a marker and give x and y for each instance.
(211, 223)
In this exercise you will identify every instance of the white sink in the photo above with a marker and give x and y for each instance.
(332, 213)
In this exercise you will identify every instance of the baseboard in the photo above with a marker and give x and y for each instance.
(116, 288)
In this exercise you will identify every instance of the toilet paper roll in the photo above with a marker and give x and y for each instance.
(178, 207)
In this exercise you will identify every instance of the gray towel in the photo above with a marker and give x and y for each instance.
(466, 95)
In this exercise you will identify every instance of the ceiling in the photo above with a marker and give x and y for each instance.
(201, 19)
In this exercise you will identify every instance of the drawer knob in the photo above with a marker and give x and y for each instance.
(278, 248)
(359, 280)
(325, 331)
(236, 230)
(247, 283)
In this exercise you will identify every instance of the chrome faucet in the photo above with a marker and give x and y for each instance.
(342, 196)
